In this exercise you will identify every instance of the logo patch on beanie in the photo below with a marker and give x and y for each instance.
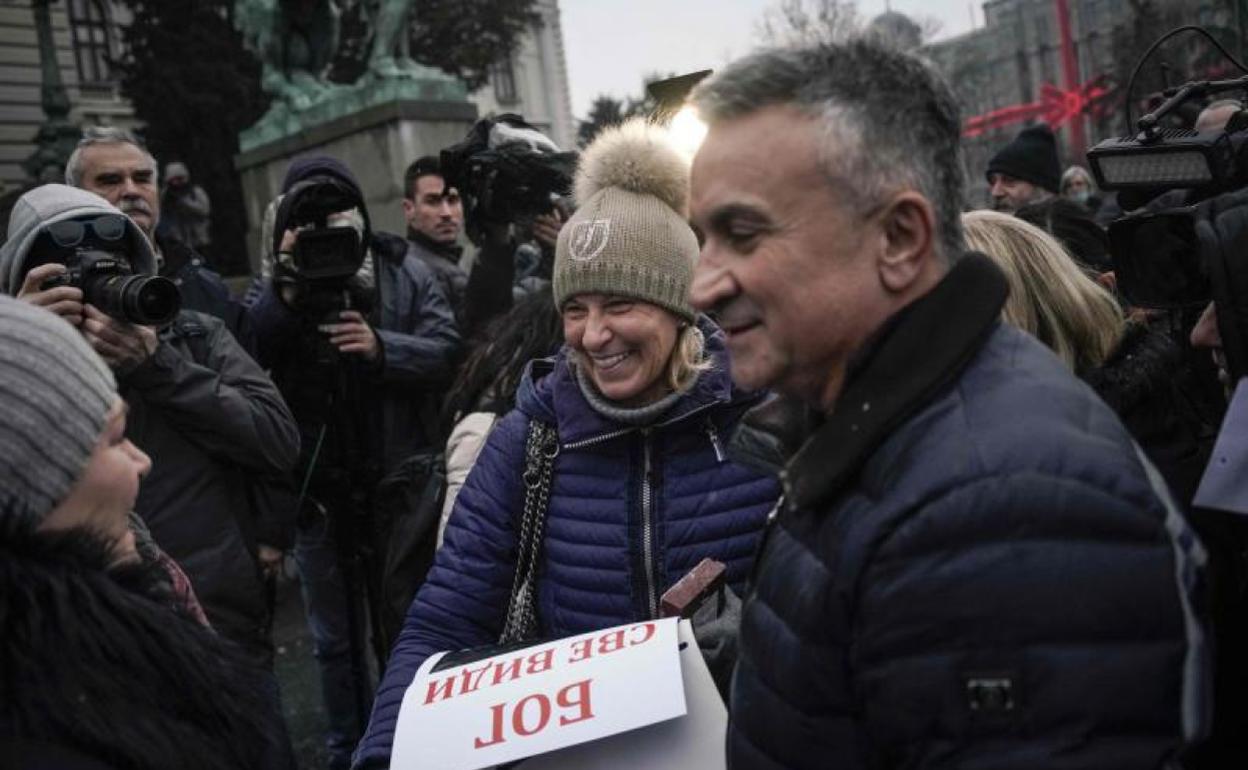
(588, 239)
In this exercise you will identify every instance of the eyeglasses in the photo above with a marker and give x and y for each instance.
(72, 232)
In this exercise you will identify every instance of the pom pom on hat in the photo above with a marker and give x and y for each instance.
(639, 157)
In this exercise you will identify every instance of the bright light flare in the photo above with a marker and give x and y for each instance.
(687, 130)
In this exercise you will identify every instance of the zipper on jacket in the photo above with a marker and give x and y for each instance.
(598, 439)
(647, 526)
(714, 437)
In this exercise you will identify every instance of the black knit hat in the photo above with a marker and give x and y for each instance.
(309, 166)
(1031, 157)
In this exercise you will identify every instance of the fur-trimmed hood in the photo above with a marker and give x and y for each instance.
(91, 662)
(1143, 363)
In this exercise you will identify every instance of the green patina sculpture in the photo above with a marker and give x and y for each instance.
(296, 40)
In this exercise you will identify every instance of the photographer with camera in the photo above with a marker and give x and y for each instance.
(360, 339)
(200, 407)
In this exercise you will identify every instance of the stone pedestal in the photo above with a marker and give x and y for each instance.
(376, 143)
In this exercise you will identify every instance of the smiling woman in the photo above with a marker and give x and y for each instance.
(640, 403)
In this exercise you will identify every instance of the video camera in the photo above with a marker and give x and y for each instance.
(95, 254)
(326, 257)
(507, 171)
(1184, 255)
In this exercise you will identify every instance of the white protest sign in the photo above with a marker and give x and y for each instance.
(692, 742)
(540, 698)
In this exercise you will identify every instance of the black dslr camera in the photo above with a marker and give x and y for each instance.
(507, 172)
(94, 252)
(323, 264)
(1188, 244)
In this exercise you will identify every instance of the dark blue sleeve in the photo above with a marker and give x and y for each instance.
(273, 325)
(427, 351)
(464, 599)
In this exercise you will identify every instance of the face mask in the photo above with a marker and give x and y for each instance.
(1080, 196)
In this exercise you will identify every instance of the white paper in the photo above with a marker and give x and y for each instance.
(692, 742)
(541, 698)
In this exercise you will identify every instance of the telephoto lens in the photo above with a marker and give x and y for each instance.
(140, 299)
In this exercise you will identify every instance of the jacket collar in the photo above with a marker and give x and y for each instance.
(922, 349)
(549, 392)
(447, 251)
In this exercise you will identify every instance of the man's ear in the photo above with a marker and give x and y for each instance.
(909, 230)
(409, 209)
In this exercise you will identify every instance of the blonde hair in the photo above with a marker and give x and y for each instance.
(688, 359)
(1051, 298)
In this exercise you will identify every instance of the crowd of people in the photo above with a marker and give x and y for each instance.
(948, 468)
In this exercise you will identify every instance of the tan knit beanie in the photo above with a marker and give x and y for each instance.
(629, 236)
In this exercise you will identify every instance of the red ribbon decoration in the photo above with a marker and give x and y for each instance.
(1056, 107)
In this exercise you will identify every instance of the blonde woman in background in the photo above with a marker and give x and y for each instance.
(1051, 297)
(1135, 365)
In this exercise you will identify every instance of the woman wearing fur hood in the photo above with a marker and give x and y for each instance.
(96, 671)
(634, 411)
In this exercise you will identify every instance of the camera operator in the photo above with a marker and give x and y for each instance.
(360, 338)
(435, 218)
(512, 182)
(199, 405)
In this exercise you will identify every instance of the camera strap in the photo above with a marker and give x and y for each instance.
(540, 450)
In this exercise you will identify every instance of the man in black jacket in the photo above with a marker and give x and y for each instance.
(974, 566)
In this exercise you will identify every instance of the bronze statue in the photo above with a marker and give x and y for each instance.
(295, 41)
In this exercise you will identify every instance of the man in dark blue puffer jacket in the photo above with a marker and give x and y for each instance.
(974, 566)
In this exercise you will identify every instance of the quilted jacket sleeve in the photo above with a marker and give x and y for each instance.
(986, 614)
(464, 598)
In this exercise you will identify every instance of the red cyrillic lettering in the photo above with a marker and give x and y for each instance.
(543, 715)
(565, 700)
(582, 650)
(541, 661)
(470, 679)
(440, 690)
(611, 642)
(647, 628)
(509, 670)
(496, 735)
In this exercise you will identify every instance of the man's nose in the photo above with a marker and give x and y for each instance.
(1205, 333)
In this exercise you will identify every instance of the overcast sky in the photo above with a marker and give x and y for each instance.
(612, 45)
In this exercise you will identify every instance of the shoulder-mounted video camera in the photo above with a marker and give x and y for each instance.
(1189, 243)
(326, 256)
(507, 171)
(95, 252)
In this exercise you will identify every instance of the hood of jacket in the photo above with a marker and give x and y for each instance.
(51, 203)
(549, 392)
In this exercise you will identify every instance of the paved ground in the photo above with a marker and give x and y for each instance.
(296, 671)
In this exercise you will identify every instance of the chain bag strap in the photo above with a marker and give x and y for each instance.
(540, 451)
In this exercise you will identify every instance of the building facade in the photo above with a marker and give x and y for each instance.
(1017, 53)
(87, 36)
(533, 82)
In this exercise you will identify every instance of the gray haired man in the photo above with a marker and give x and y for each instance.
(973, 565)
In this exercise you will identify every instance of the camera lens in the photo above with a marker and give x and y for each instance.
(141, 299)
